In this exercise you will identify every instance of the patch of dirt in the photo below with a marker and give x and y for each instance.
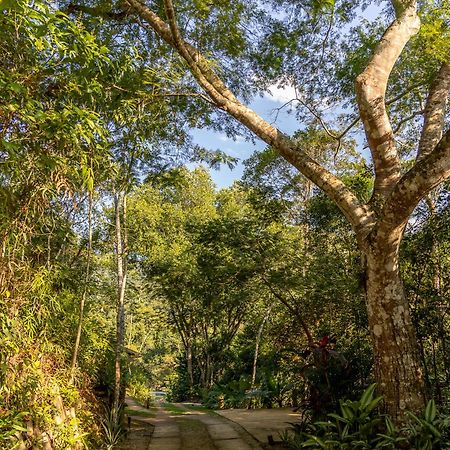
(138, 436)
(194, 434)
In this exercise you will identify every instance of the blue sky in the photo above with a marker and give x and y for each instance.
(266, 107)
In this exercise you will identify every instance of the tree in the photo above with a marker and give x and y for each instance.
(201, 249)
(378, 223)
(51, 137)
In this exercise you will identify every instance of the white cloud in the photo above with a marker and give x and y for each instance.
(237, 140)
(280, 94)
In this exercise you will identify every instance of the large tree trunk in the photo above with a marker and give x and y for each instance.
(397, 362)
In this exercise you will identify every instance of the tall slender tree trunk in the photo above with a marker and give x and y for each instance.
(121, 257)
(190, 369)
(258, 343)
(76, 346)
(397, 360)
(207, 370)
(437, 284)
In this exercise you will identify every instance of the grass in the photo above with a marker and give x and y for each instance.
(174, 409)
(192, 407)
(139, 412)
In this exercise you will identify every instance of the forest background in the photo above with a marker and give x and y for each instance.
(123, 265)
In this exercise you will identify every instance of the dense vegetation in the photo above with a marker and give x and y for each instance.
(124, 269)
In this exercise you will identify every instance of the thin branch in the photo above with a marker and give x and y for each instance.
(291, 309)
(406, 119)
(278, 110)
(324, 42)
(403, 94)
(84, 294)
(318, 117)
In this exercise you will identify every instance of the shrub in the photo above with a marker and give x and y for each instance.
(359, 426)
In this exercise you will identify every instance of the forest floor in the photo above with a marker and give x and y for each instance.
(187, 426)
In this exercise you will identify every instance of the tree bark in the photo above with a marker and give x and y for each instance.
(397, 360)
(371, 87)
(121, 252)
(434, 114)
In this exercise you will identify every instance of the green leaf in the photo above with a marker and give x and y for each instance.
(373, 404)
(410, 414)
(433, 429)
(346, 411)
(314, 440)
(430, 411)
(325, 424)
(345, 431)
(16, 87)
(367, 396)
(338, 417)
(390, 425)
(12, 5)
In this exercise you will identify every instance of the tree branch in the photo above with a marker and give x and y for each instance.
(434, 112)
(426, 174)
(370, 91)
(358, 215)
(290, 308)
(170, 13)
(406, 119)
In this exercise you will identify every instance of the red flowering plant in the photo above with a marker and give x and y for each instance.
(322, 372)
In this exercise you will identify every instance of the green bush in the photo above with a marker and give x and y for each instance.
(359, 426)
(239, 394)
(233, 394)
(138, 385)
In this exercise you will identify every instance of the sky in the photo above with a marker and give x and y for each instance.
(266, 107)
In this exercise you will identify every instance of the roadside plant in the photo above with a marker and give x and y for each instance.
(11, 425)
(431, 431)
(357, 426)
(112, 429)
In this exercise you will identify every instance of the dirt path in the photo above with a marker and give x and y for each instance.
(263, 424)
(181, 427)
(140, 427)
(223, 434)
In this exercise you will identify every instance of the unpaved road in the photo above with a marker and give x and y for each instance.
(185, 427)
